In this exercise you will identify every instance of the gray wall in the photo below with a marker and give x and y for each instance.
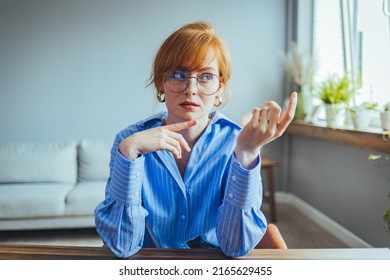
(78, 68)
(340, 182)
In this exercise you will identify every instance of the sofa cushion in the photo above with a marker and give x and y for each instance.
(94, 158)
(33, 200)
(84, 198)
(38, 162)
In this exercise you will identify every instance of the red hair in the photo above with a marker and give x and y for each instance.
(189, 48)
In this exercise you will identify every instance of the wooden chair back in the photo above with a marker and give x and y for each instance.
(272, 239)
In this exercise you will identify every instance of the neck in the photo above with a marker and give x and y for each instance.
(192, 134)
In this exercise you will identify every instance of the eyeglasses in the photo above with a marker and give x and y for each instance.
(178, 81)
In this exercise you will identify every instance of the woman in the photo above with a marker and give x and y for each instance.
(189, 177)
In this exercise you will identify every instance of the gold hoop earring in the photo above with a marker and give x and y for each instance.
(161, 96)
(218, 98)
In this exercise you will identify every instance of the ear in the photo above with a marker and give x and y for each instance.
(221, 87)
(160, 88)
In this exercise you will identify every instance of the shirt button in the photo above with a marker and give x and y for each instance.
(234, 177)
(136, 194)
(230, 195)
(137, 174)
(183, 217)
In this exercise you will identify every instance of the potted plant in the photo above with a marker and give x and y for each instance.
(300, 70)
(385, 117)
(361, 114)
(336, 92)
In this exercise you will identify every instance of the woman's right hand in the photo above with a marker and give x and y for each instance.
(154, 139)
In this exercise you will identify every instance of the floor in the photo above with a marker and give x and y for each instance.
(297, 230)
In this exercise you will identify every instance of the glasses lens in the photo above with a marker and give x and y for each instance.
(176, 81)
(207, 83)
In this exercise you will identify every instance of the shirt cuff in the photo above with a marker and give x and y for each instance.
(126, 179)
(244, 186)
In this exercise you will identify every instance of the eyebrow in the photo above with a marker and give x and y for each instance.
(207, 68)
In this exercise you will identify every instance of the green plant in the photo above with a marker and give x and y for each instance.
(377, 158)
(386, 108)
(386, 215)
(335, 90)
(370, 105)
(373, 106)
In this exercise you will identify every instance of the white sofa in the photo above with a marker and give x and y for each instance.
(52, 185)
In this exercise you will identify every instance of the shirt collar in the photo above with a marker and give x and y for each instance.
(218, 117)
(157, 120)
(152, 121)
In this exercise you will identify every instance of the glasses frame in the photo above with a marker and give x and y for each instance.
(197, 83)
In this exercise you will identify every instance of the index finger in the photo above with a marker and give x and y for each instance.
(288, 115)
(181, 126)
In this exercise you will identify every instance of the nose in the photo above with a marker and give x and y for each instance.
(192, 87)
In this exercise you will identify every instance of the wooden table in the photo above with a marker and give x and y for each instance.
(49, 252)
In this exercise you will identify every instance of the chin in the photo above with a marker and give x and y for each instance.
(184, 117)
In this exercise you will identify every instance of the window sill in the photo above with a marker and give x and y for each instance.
(371, 139)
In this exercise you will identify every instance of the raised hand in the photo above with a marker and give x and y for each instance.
(265, 126)
(154, 139)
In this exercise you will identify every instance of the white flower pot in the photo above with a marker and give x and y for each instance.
(361, 118)
(385, 119)
(334, 116)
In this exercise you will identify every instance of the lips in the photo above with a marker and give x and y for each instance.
(189, 103)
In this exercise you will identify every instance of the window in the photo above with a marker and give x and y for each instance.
(354, 35)
(375, 60)
(327, 39)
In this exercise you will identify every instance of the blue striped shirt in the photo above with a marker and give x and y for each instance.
(149, 204)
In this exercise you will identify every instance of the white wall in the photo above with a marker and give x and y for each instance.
(78, 68)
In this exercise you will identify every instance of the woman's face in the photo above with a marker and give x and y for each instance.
(191, 104)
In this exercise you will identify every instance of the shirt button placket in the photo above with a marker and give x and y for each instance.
(183, 224)
(182, 220)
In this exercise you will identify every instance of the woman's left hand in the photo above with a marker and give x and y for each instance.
(267, 124)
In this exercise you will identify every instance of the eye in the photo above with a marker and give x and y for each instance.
(178, 75)
(206, 77)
